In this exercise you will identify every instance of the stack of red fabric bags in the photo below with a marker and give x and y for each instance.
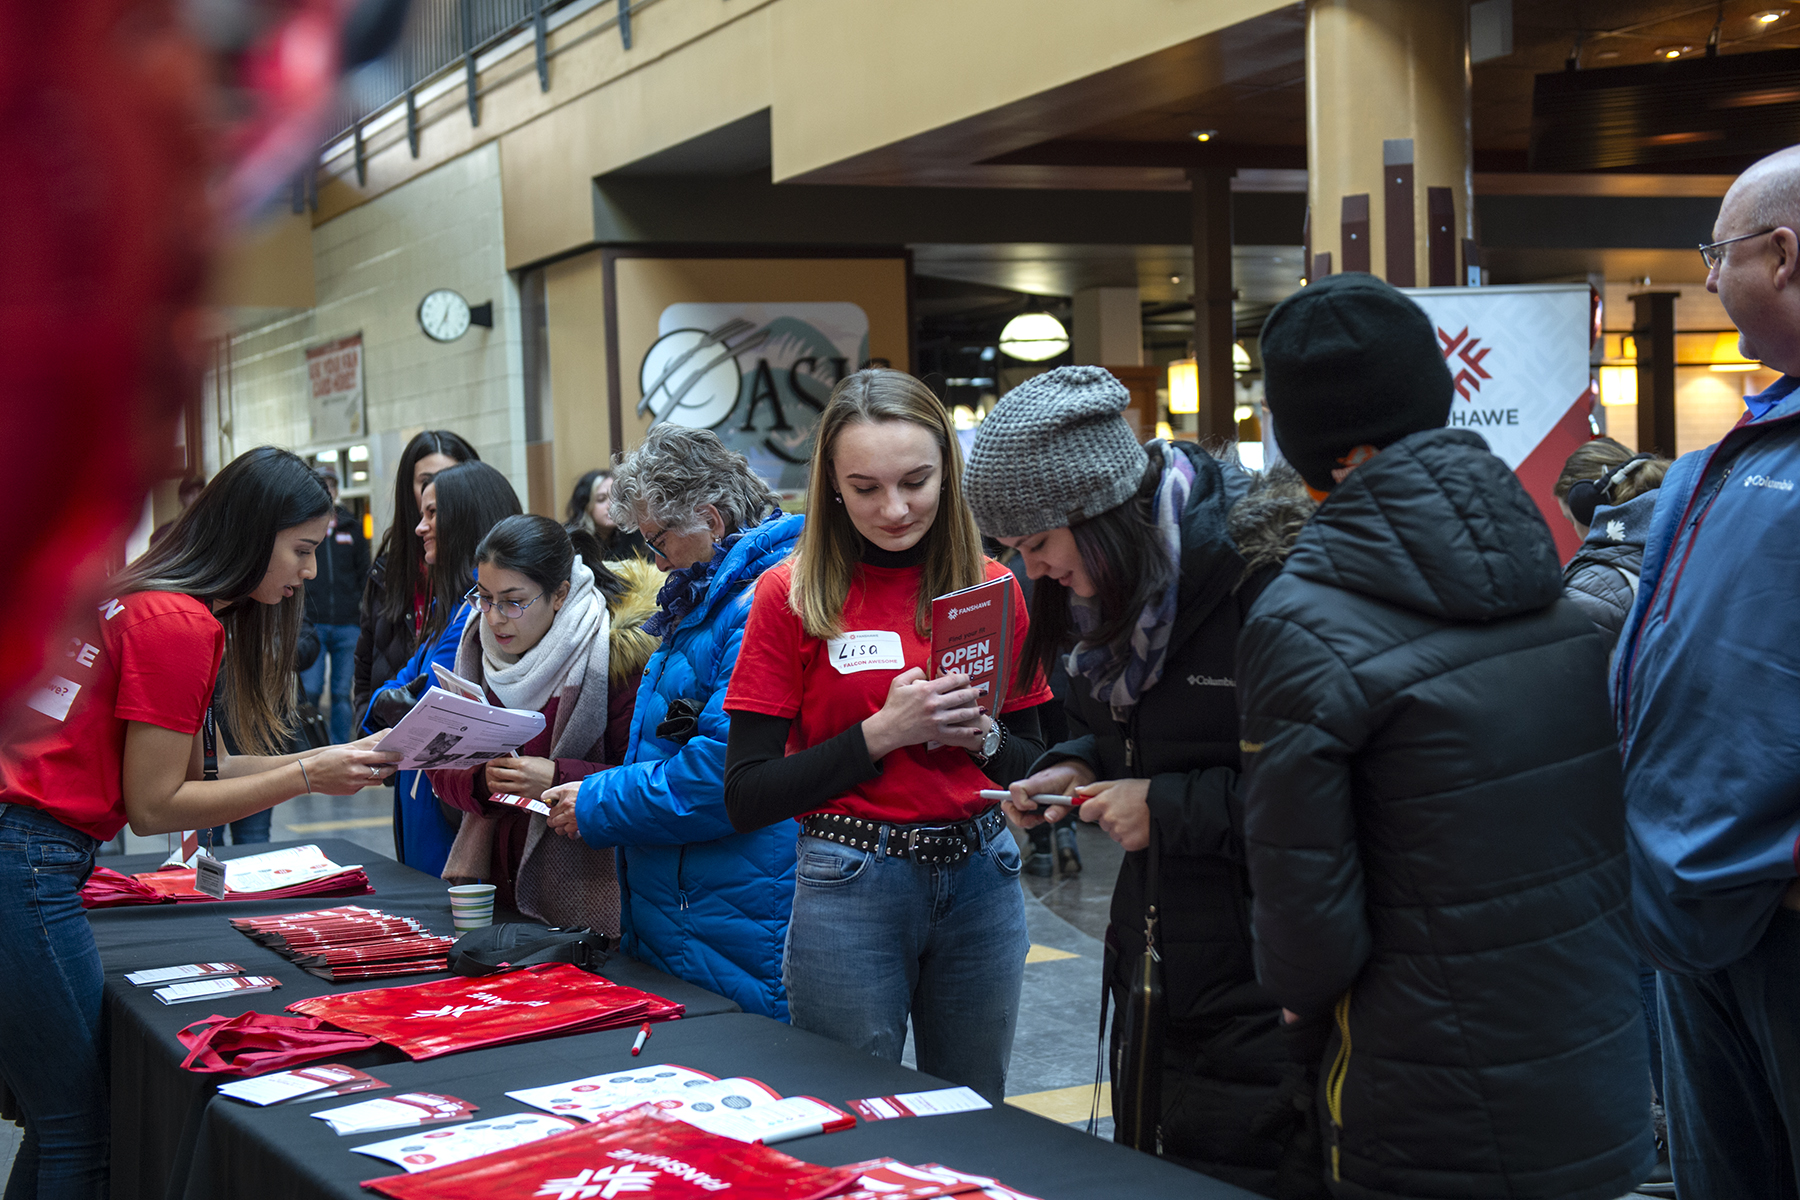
(350, 942)
(430, 1019)
(106, 888)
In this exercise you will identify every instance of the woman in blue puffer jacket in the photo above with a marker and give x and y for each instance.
(697, 899)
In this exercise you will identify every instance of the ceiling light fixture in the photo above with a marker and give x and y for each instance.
(1204, 135)
(1033, 337)
(1769, 16)
(1673, 51)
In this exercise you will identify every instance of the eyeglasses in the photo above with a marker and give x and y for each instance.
(1714, 255)
(655, 543)
(512, 610)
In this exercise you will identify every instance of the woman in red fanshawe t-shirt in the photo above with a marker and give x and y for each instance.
(907, 899)
(115, 735)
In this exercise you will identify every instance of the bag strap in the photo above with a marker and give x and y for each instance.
(209, 738)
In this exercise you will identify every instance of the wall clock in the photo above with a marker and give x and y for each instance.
(445, 316)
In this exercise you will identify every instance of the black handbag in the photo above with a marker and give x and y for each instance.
(508, 947)
(1138, 1048)
(314, 733)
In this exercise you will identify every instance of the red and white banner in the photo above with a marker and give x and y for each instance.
(1519, 357)
(334, 389)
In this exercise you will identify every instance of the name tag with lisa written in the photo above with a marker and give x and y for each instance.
(867, 650)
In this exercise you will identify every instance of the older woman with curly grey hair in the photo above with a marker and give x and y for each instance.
(697, 899)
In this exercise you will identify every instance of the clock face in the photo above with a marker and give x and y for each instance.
(444, 315)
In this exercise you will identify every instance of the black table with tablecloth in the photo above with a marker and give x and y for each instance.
(174, 1138)
(156, 1106)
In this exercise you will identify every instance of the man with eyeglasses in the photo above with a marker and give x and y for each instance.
(1706, 688)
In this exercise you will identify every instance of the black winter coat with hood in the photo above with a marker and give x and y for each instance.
(1225, 1055)
(382, 646)
(1435, 831)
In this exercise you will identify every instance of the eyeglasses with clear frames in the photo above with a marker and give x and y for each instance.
(512, 610)
(1714, 254)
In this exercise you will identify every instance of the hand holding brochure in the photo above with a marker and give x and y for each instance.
(449, 732)
(972, 632)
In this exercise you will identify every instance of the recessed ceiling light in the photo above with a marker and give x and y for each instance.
(1174, 279)
(1672, 51)
(1607, 54)
(1769, 16)
(1203, 135)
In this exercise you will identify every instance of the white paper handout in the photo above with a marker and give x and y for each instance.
(395, 1112)
(176, 974)
(919, 1104)
(585, 1099)
(450, 681)
(212, 989)
(280, 869)
(325, 1079)
(447, 732)
(440, 1147)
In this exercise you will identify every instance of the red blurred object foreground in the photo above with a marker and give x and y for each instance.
(106, 888)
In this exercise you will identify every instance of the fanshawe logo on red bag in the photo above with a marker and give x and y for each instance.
(429, 1019)
(637, 1153)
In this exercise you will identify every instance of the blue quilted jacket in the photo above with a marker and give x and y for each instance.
(696, 899)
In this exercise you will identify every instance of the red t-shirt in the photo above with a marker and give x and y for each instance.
(149, 656)
(783, 672)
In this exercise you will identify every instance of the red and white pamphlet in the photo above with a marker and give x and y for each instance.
(920, 1104)
(182, 973)
(212, 989)
(972, 633)
(638, 1153)
(350, 942)
(311, 1083)
(524, 802)
(414, 1152)
(590, 1098)
(745, 1110)
(395, 1112)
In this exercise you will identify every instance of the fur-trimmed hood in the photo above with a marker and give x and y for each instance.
(1266, 522)
(630, 646)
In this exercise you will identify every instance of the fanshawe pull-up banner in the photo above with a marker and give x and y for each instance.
(1519, 358)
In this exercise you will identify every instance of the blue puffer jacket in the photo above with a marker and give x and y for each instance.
(1706, 684)
(698, 900)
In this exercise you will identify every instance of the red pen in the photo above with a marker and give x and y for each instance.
(642, 1037)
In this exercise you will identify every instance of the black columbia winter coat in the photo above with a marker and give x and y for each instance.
(334, 596)
(1435, 831)
(382, 646)
(1225, 1054)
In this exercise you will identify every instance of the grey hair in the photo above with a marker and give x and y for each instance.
(675, 471)
(1771, 190)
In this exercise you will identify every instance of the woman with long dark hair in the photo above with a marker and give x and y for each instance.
(590, 510)
(118, 735)
(907, 901)
(1141, 589)
(552, 634)
(457, 508)
(397, 594)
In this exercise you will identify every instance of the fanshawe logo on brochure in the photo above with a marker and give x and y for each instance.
(602, 1183)
(971, 633)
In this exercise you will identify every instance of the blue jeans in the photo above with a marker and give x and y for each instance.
(338, 643)
(875, 939)
(1731, 1072)
(50, 1053)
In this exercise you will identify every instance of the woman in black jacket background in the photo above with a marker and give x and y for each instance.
(1136, 570)
(397, 596)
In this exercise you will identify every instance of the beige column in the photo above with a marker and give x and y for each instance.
(1387, 129)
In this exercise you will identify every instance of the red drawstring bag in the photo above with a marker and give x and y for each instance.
(429, 1019)
(640, 1153)
(257, 1042)
(106, 888)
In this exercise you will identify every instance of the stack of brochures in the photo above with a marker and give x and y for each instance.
(350, 942)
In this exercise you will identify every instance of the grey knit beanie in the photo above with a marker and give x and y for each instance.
(1054, 451)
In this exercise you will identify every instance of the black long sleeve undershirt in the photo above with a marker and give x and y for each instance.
(764, 784)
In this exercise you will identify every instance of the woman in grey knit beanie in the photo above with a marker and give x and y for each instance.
(1139, 584)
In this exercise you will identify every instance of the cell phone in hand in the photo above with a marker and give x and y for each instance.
(1043, 800)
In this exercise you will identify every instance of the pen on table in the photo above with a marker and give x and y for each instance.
(642, 1037)
(1039, 800)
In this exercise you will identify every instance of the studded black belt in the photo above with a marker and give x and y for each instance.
(921, 843)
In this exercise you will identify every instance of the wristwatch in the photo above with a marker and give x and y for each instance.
(991, 742)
